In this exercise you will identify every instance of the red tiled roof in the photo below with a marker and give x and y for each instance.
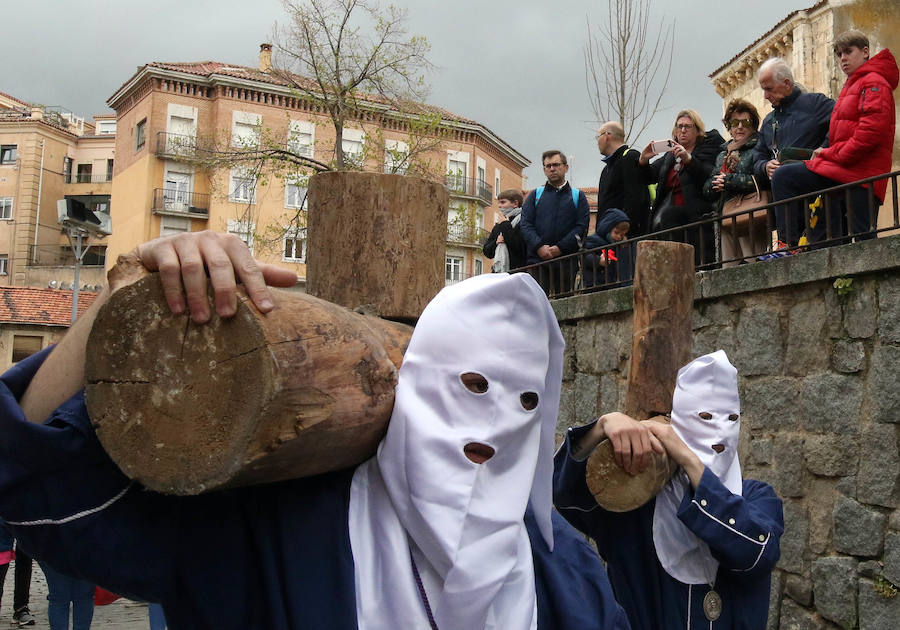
(42, 307)
(18, 100)
(208, 68)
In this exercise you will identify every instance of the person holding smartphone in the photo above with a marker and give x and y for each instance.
(679, 176)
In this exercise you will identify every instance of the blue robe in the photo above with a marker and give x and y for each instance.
(742, 532)
(275, 556)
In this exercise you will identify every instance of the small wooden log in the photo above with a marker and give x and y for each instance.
(256, 398)
(376, 241)
(660, 346)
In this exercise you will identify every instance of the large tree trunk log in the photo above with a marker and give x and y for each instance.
(660, 346)
(256, 398)
(376, 241)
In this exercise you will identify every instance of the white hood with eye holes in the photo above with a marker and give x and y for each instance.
(705, 413)
(421, 495)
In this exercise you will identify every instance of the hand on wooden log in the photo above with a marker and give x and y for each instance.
(183, 260)
(678, 451)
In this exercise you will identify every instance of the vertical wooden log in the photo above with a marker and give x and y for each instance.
(256, 398)
(376, 241)
(660, 346)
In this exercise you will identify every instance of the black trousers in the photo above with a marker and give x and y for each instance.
(22, 577)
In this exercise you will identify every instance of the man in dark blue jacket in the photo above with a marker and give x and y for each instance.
(554, 224)
(798, 119)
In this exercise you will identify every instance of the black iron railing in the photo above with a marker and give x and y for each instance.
(749, 236)
(176, 145)
(469, 187)
(170, 200)
(91, 178)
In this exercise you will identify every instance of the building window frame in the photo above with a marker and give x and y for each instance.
(6, 208)
(292, 240)
(23, 346)
(140, 134)
(453, 268)
(243, 230)
(241, 187)
(9, 154)
(4, 265)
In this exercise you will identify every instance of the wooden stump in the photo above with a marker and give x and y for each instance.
(376, 241)
(256, 398)
(660, 346)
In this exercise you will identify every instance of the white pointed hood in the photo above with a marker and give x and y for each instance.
(705, 413)
(464, 518)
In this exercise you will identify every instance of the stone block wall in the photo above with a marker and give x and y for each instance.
(820, 413)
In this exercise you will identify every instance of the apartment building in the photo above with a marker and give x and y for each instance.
(169, 114)
(48, 154)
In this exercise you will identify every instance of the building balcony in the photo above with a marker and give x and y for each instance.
(89, 178)
(469, 188)
(178, 203)
(176, 145)
(465, 235)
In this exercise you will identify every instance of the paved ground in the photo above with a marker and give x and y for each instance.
(120, 615)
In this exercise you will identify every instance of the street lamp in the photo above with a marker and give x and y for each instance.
(81, 226)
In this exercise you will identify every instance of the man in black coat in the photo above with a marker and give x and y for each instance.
(621, 182)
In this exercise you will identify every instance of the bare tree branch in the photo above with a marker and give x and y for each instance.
(626, 67)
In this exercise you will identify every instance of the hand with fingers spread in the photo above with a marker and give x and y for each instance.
(184, 259)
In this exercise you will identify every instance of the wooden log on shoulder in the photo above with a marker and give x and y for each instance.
(181, 408)
(660, 346)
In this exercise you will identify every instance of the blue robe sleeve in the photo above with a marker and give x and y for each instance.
(570, 492)
(743, 531)
(573, 590)
(68, 504)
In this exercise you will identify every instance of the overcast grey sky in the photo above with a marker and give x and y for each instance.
(516, 67)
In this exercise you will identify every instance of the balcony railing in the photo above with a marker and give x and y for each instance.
(90, 178)
(463, 234)
(176, 145)
(754, 230)
(469, 187)
(180, 203)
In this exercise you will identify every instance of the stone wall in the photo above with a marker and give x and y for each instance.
(820, 413)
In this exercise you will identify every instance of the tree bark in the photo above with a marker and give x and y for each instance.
(660, 346)
(376, 241)
(252, 399)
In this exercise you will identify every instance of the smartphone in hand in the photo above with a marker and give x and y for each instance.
(662, 146)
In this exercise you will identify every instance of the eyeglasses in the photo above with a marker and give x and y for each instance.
(553, 165)
(686, 127)
(746, 123)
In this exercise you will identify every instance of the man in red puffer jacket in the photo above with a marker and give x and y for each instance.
(860, 139)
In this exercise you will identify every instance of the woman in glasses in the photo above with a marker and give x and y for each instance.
(732, 178)
(679, 176)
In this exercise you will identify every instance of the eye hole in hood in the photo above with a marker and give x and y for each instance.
(474, 382)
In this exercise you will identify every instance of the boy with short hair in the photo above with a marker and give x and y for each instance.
(505, 243)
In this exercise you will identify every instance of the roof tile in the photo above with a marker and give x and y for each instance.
(42, 307)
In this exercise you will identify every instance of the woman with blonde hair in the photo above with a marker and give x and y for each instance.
(679, 175)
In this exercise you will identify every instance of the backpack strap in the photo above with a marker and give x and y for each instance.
(540, 191)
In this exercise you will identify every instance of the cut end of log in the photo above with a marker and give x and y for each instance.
(164, 393)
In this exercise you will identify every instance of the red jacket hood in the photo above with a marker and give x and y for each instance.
(884, 64)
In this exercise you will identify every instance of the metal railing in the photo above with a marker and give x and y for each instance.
(832, 216)
(466, 234)
(469, 187)
(90, 178)
(62, 256)
(175, 145)
(171, 201)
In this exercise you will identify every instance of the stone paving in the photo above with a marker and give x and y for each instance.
(122, 614)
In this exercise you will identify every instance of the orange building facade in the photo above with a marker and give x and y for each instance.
(172, 116)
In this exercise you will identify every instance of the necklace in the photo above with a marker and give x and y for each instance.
(424, 597)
